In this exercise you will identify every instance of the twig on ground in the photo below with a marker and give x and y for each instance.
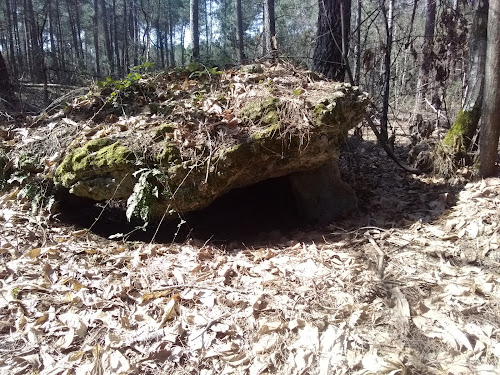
(381, 255)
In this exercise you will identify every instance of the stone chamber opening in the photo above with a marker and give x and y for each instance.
(266, 208)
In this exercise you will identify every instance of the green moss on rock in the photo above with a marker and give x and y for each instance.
(264, 111)
(100, 166)
(163, 129)
(30, 163)
(252, 68)
(170, 153)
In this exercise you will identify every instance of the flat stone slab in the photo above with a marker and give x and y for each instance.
(176, 141)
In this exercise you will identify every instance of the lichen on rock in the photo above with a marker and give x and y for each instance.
(101, 169)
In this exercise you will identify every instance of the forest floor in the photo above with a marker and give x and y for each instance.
(410, 284)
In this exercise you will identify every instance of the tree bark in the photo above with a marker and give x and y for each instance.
(171, 34)
(490, 125)
(61, 42)
(37, 55)
(73, 28)
(107, 38)
(117, 50)
(357, 45)
(125, 54)
(333, 32)
(464, 128)
(270, 42)
(194, 28)
(96, 40)
(52, 38)
(240, 52)
(19, 45)
(6, 92)
(389, 20)
(427, 49)
(12, 55)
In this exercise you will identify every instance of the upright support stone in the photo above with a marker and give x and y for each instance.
(321, 195)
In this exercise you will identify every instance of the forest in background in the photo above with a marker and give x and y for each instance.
(73, 42)
(423, 62)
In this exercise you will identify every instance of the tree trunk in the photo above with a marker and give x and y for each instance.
(357, 44)
(73, 28)
(183, 50)
(160, 39)
(459, 137)
(6, 93)
(270, 42)
(389, 20)
(117, 50)
(36, 50)
(52, 38)
(12, 54)
(171, 34)
(333, 32)
(19, 48)
(427, 49)
(96, 40)
(79, 30)
(134, 31)
(194, 28)
(490, 125)
(240, 52)
(205, 6)
(107, 39)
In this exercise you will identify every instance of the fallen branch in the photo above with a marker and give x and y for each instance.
(381, 255)
(388, 150)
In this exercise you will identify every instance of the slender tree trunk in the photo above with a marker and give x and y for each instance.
(96, 39)
(19, 46)
(12, 54)
(490, 125)
(52, 38)
(37, 54)
(134, 29)
(117, 48)
(357, 45)
(146, 40)
(5, 88)
(206, 30)
(125, 54)
(328, 57)
(427, 49)
(107, 39)
(171, 34)
(159, 38)
(72, 25)
(270, 41)
(195, 31)
(79, 30)
(240, 52)
(61, 43)
(183, 50)
(389, 20)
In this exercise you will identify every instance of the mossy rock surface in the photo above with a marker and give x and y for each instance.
(101, 169)
(224, 131)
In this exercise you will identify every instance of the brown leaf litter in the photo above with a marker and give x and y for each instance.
(317, 301)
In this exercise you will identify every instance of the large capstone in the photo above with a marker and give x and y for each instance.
(192, 140)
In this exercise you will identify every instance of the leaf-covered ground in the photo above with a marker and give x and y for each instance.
(410, 284)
